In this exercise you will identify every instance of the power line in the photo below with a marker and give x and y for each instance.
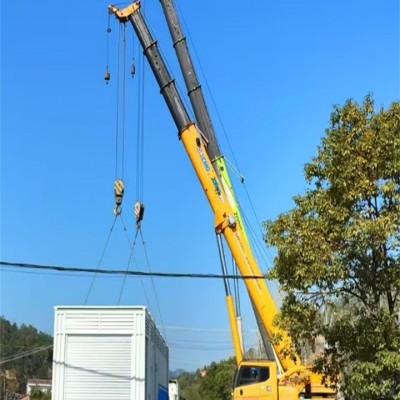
(25, 354)
(124, 272)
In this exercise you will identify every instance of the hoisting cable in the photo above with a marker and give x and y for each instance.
(127, 266)
(152, 282)
(236, 287)
(126, 274)
(236, 168)
(138, 206)
(107, 73)
(119, 186)
(140, 130)
(117, 104)
(123, 102)
(101, 259)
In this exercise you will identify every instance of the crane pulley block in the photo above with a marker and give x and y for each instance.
(119, 189)
(107, 76)
(138, 209)
(133, 68)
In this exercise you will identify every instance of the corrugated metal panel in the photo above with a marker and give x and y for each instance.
(155, 337)
(101, 321)
(107, 353)
(98, 367)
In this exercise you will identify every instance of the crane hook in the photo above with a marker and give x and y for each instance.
(107, 76)
(119, 190)
(138, 209)
(133, 69)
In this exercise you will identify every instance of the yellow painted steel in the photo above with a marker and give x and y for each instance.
(229, 222)
(227, 184)
(264, 390)
(124, 14)
(234, 330)
(225, 223)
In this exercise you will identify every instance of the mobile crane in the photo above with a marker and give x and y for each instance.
(255, 379)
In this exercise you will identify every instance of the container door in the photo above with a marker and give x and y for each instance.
(98, 367)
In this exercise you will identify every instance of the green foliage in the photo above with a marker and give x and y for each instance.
(217, 384)
(37, 394)
(15, 340)
(189, 384)
(339, 252)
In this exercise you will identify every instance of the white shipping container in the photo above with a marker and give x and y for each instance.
(106, 353)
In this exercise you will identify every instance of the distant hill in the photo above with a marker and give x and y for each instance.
(176, 373)
(25, 353)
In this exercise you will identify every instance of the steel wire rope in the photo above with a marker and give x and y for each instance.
(219, 119)
(140, 278)
(127, 266)
(152, 282)
(255, 240)
(261, 251)
(107, 77)
(140, 164)
(236, 288)
(140, 129)
(101, 259)
(123, 103)
(117, 103)
(222, 126)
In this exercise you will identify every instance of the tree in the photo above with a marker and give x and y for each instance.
(37, 394)
(338, 252)
(217, 383)
(14, 341)
(189, 383)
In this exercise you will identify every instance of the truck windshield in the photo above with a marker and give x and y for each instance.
(248, 375)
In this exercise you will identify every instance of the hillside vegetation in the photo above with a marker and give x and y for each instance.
(15, 370)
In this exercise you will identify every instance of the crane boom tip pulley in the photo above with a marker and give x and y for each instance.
(124, 13)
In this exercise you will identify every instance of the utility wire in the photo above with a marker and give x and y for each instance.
(122, 272)
(25, 354)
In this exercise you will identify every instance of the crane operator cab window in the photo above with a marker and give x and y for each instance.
(249, 375)
(256, 381)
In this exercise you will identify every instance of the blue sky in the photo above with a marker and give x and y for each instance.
(274, 68)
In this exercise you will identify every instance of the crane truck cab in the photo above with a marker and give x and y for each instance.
(256, 379)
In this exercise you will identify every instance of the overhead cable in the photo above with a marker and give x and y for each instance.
(25, 354)
(123, 272)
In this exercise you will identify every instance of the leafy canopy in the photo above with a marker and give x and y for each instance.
(338, 252)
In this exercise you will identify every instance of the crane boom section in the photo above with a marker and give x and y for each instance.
(224, 215)
(226, 223)
(160, 71)
(192, 84)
